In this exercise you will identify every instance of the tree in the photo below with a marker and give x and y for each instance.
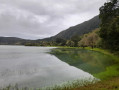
(60, 41)
(109, 32)
(70, 43)
(75, 39)
(91, 39)
(83, 41)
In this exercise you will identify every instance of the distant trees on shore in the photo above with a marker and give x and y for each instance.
(87, 40)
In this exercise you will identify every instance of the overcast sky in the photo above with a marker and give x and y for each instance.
(36, 19)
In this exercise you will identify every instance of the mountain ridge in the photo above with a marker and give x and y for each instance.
(79, 30)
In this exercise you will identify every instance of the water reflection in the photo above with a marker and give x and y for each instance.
(87, 60)
(34, 67)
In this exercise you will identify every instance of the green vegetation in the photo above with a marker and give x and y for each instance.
(70, 43)
(11, 41)
(72, 84)
(109, 32)
(91, 39)
(112, 84)
(65, 86)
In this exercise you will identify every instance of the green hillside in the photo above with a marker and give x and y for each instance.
(79, 29)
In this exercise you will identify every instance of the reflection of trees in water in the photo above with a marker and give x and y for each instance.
(89, 61)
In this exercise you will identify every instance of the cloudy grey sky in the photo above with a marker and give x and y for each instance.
(35, 19)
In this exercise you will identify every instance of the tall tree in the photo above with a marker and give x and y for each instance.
(75, 39)
(91, 39)
(70, 43)
(60, 41)
(109, 15)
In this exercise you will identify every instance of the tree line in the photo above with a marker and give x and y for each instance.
(91, 39)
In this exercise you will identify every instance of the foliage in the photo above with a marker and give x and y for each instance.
(91, 39)
(109, 32)
(112, 84)
(60, 41)
(75, 39)
(70, 43)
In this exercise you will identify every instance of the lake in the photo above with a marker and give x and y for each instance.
(38, 67)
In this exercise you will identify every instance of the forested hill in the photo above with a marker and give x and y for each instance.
(13, 41)
(79, 29)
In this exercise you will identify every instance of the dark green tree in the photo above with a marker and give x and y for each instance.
(109, 32)
(75, 39)
(70, 43)
(60, 41)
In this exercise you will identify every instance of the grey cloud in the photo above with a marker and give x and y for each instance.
(36, 19)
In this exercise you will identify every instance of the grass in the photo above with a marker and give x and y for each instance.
(112, 84)
(73, 84)
(65, 86)
(112, 71)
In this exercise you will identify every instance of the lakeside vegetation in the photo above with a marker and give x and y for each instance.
(112, 84)
(91, 39)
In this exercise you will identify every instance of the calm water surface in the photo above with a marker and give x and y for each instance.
(35, 67)
(87, 60)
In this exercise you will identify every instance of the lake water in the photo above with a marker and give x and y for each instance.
(87, 60)
(35, 67)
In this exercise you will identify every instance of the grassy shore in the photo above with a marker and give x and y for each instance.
(111, 84)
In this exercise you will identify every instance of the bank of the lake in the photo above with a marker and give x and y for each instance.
(111, 84)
